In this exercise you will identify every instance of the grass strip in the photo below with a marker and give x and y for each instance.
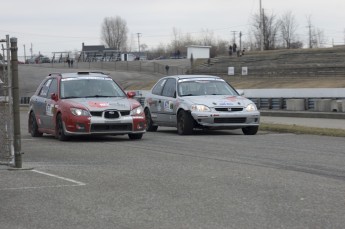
(296, 129)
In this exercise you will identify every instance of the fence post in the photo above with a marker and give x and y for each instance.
(16, 115)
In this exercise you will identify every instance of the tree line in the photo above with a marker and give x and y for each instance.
(277, 32)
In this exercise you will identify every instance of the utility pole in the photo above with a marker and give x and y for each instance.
(310, 39)
(139, 43)
(31, 50)
(261, 29)
(310, 36)
(16, 115)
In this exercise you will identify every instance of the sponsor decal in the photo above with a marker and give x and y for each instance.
(229, 101)
(225, 103)
(231, 98)
(98, 104)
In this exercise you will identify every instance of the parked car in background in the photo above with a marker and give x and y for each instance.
(37, 59)
(198, 101)
(44, 59)
(84, 103)
(2, 63)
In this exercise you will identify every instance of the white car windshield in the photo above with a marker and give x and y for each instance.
(89, 87)
(205, 87)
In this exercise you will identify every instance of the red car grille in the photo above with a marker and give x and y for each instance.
(99, 113)
(111, 114)
(110, 127)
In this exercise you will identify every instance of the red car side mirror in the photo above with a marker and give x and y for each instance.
(54, 96)
(131, 94)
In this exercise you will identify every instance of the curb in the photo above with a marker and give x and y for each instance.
(303, 114)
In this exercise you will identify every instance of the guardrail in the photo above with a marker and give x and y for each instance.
(301, 104)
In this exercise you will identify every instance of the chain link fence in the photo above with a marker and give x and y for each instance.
(164, 67)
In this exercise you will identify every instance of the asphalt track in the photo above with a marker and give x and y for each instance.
(219, 179)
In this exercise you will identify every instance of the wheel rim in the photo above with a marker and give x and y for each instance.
(148, 119)
(59, 127)
(181, 123)
(32, 121)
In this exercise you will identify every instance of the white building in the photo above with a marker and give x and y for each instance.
(198, 51)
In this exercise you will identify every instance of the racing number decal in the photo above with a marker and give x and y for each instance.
(168, 105)
(50, 109)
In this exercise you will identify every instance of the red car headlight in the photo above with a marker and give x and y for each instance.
(137, 111)
(80, 112)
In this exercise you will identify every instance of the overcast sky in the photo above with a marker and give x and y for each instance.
(61, 25)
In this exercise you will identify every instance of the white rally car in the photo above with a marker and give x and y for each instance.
(198, 101)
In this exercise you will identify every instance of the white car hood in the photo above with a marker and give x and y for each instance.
(218, 100)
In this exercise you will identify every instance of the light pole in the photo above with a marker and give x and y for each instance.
(139, 43)
(24, 55)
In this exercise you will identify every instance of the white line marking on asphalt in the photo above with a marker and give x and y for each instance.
(56, 176)
(39, 187)
(75, 183)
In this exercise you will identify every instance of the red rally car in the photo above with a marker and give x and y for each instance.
(84, 103)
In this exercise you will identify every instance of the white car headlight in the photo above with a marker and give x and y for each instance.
(251, 107)
(80, 112)
(200, 108)
(137, 111)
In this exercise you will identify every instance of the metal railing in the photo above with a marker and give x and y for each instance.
(137, 66)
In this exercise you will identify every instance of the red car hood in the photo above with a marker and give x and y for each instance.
(94, 104)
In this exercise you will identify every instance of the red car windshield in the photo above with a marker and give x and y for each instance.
(89, 87)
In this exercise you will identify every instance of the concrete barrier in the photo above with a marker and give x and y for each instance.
(336, 105)
(295, 104)
(323, 105)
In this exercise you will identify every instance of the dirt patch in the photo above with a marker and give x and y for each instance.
(257, 83)
(31, 76)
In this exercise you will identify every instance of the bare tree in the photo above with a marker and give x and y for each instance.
(158, 52)
(270, 30)
(176, 43)
(319, 38)
(179, 42)
(271, 27)
(220, 48)
(143, 47)
(206, 38)
(288, 28)
(114, 32)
